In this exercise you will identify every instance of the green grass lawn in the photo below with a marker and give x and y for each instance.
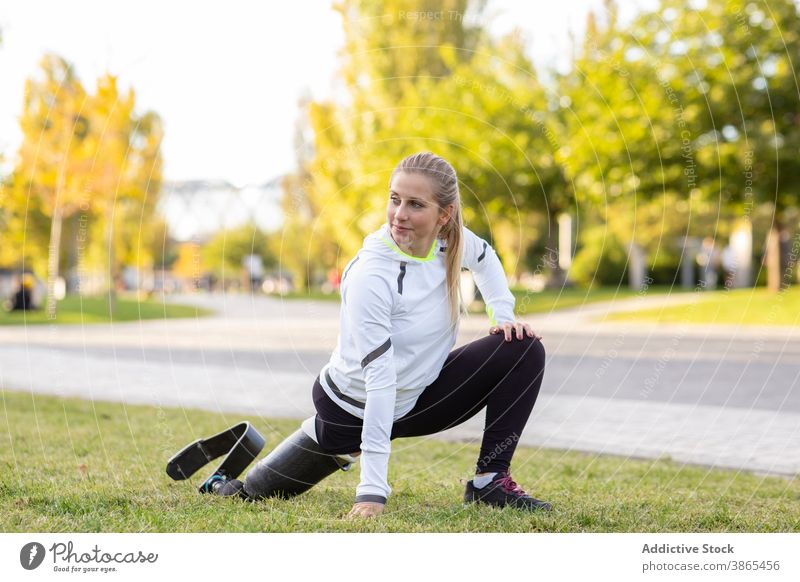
(309, 296)
(738, 306)
(75, 309)
(74, 465)
(528, 302)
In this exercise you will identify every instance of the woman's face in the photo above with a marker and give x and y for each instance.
(413, 215)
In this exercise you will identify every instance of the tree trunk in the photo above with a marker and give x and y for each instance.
(779, 274)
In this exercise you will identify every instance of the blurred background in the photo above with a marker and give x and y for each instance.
(181, 148)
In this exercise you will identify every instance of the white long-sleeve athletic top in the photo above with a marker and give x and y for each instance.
(395, 334)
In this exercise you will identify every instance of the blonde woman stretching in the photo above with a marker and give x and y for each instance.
(393, 373)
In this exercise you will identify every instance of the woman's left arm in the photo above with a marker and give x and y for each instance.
(481, 259)
(508, 329)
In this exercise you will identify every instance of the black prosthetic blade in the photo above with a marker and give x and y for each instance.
(241, 443)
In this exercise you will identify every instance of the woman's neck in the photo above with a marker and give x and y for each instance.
(418, 250)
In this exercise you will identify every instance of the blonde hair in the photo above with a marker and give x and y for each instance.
(445, 191)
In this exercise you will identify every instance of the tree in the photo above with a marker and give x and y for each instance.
(126, 172)
(417, 80)
(55, 155)
(670, 111)
(390, 54)
(89, 166)
(742, 60)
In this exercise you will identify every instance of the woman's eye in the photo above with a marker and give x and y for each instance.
(413, 203)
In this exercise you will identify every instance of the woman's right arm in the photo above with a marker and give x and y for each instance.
(369, 307)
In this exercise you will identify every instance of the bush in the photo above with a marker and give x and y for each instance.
(601, 260)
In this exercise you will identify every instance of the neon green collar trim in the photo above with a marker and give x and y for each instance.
(392, 245)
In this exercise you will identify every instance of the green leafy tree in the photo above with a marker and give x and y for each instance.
(416, 82)
(687, 110)
(742, 62)
(622, 146)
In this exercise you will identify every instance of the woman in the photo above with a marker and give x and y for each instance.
(392, 373)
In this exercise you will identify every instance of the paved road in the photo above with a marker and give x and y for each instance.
(722, 396)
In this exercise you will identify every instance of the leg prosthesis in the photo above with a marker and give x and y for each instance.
(293, 467)
(240, 444)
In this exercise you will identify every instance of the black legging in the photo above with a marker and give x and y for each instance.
(503, 376)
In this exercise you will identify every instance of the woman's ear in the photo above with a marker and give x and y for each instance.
(447, 214)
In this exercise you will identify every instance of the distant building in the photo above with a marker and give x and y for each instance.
(196, 209)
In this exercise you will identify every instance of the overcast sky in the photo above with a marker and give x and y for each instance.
(225, 78)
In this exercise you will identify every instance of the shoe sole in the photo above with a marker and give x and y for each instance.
(478, 500)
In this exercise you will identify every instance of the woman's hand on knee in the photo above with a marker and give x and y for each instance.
(508, 329)
(365, 509)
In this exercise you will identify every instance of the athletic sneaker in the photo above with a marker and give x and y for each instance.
(502, 491)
